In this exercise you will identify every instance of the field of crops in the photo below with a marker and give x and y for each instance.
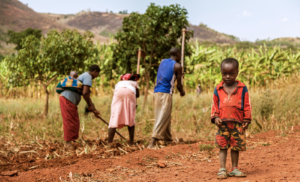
(258, 67)
(32, 141)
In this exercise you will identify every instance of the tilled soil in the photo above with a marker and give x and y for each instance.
(270, 156)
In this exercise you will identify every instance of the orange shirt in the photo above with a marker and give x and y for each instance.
(235, 109)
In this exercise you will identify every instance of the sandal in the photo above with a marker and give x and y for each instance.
(222, 174)
(235, 172)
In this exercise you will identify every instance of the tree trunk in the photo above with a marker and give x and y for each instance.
(46, 100)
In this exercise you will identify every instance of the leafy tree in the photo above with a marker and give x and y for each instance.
(17, 37)
(50, 57)
(155, 32)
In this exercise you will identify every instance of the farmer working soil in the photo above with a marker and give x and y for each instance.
(231, 112)
(69, 101)
(169, 70)
(123, 107)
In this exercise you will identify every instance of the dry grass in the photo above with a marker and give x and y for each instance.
(26, 134)
(22, 119)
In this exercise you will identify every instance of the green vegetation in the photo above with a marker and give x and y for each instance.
(155, 32)
(257, 67)
(51, 57)
(18, 37)
(1, 57)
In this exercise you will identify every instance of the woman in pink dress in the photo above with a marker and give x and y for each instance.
(123, 107)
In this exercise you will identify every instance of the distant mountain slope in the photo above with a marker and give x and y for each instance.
(17, 16)
(203, 33)
(289, 39)
(109, 23)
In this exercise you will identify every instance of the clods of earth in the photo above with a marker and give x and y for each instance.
(270, 156)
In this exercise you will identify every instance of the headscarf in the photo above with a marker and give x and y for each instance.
(128, 76)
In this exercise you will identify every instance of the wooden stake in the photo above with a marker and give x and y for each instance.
(182, 52)
(138, 63)
(182, 49)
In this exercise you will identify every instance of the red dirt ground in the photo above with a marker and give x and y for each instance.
(271, 156)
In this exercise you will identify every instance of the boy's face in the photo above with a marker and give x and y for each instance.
(229, 73)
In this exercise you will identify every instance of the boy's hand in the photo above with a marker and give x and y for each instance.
(218, 122)
(245, 126)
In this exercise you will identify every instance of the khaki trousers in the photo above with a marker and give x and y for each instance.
(163, 110)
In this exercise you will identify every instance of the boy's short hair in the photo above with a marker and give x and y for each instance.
(230, 61)
(174, 51)
(94, 67)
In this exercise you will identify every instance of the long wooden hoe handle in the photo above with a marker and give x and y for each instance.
(107, 125)
(182, 51)
(138, 63)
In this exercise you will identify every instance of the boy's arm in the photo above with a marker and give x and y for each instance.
(178, 73)
(215, 107)
(247, 107)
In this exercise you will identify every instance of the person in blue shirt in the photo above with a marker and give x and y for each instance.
(169, 70)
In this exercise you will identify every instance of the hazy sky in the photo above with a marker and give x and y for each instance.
(246, 19)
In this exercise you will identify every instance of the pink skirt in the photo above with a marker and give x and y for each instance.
(123, 108)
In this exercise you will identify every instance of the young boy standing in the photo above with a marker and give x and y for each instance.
(231, 112)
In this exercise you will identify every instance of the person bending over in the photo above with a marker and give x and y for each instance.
(69, 101)
(123, 107)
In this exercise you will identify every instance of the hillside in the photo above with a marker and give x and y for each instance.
(17, 16)
(292, 40)
(106, 24)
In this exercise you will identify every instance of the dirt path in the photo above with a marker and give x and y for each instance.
(271, 156)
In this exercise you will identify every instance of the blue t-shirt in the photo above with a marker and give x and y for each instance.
(165, 76)
(75, 98)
